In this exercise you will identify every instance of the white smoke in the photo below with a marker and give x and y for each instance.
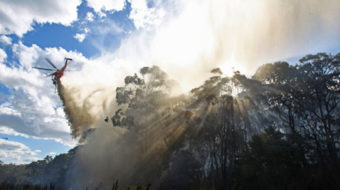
(194, 37)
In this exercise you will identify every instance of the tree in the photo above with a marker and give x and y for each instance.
(184, 173)
(142, 95)
(306, 97)
(320, 110)
(222, 136)
(271, 162)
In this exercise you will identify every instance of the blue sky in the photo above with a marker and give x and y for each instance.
(56, 35)
(50, 34)
(111, 38)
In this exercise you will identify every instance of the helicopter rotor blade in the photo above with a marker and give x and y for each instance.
(50, 62)
(43, 69)
(51, 74)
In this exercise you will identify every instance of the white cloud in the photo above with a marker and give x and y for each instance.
(15, 152)
(3, 55)
(7, 109)
(5, 40)
(196, 36)
(106, 5)
(18, 16)
(10, 131)
(2, 96)
(33, 108)
(89, 16)
(202, 35)
(86, 30)
(143, 16)
(52, 153)
(80, 37)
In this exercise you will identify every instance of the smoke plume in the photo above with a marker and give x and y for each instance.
(231, 34)
(197, 36)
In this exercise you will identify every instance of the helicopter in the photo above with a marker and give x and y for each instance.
(58, 73)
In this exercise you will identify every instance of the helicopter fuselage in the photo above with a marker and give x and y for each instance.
(59, 73)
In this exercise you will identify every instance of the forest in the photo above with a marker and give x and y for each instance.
(278, 129)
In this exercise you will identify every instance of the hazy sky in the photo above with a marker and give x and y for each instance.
(111, 38)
